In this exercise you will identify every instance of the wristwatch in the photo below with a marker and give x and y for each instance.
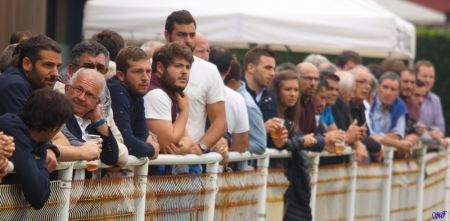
(202, 146)
(55, 150)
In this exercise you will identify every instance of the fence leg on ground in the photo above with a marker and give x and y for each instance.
(420, 182)
(142, 173)
(315, 173)
(388, 161)
(212, 170)
(263, 164)
(66, 184)
(351, 208)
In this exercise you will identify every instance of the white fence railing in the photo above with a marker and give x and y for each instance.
(392, 190)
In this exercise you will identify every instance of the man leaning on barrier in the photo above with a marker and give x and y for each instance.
(85, 90)
(127, 90)
(166, 105)
(37, 122)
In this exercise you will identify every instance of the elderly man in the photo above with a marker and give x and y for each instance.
(90, 55)
(201, 48)
(32, 128)
(150, 46)
(85, 90)
(388, 113)
(127, 90)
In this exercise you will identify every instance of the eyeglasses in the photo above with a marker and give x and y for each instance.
(79, 91)
(363, 82)
(310, 79)
(99, 67)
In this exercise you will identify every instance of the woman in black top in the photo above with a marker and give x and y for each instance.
(286, 86)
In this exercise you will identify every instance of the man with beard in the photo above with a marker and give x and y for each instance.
(408, 83)
(205, 89)
(89, 55)
(39, 59)
(166, 105)
(127, 89)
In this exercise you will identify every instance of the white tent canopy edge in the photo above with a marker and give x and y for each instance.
(320, 26)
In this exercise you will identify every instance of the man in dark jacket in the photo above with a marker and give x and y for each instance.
(85, 90)
(37, 122)
(127, 89)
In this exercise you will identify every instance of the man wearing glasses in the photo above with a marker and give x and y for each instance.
(85, 90)
(90, 55)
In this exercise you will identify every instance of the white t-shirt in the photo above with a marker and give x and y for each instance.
(205, 87)
(236, 111)
(158, 105)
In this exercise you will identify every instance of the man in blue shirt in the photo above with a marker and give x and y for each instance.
(32, 128)
(127, 88)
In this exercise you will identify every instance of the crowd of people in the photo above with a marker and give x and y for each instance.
(187, 97)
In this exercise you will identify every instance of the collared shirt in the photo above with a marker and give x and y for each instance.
(83, 123)
(384, 121)
(327, 116)
(431, 112)
(257, 133)
(259, 95)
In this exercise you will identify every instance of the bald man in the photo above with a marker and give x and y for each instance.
(150, 46)
(201, 48)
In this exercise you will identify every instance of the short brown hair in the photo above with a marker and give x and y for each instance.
(235, 72)
(179, 17)
(253, 55)
(345, 56)
(421, 63)
(133, 53)
(393, 65)
(167, 53)
(112, 41)
(32, 47)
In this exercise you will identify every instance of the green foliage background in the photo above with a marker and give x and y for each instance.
(432, 44)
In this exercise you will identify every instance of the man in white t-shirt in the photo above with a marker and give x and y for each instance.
(166, 105)
(205, 90)
(235, 107)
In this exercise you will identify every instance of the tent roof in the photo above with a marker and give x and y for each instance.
(320, 26)
(413, 12)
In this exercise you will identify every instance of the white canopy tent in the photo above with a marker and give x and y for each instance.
(414, 12)
(319, 26)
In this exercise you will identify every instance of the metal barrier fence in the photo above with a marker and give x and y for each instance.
(392, 190)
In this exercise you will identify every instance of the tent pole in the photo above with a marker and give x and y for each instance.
(411, 63)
